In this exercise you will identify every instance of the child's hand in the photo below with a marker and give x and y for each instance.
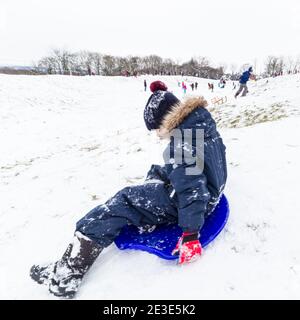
(188, 248)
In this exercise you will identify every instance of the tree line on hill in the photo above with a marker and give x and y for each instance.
(82, 63)
(93, 63)
(61, 61)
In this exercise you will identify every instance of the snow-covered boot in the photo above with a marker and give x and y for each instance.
(42, 274)
(69, 271)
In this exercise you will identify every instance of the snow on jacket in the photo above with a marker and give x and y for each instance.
(195, 196)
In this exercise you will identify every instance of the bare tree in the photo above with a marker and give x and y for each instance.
(224, 67)
(109, 65)
(274, 65)
(203, 62)
(96, 61)
(85, 62)
(169, 66)
(48, 64)
(292, 64)
(297, 64)
(62, 60)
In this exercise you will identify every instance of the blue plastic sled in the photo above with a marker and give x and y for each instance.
(163, 239)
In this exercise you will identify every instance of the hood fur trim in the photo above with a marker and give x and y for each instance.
(179, 112)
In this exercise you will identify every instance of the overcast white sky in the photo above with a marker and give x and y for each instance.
(231, 31)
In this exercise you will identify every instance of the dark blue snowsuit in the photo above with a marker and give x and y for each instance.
(245, 77)
(168, 193)
(243, 83)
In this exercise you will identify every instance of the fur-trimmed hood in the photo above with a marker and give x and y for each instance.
(179, 112)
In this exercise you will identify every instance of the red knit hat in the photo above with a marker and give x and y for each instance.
(158, 85)
(158, 105)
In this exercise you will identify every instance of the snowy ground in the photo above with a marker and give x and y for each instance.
(69, 143)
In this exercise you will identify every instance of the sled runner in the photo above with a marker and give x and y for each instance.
(218, 100)
(163, 239)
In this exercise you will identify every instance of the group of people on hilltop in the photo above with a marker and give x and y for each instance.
(243, 80)
(293, 71)
(183, 85)
(194, 86)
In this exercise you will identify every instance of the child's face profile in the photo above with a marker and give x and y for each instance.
(159, 133)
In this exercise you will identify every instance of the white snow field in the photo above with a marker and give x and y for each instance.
(69, 143)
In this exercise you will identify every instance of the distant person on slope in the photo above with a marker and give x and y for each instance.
(183, 191)
(222, 83)
(243, 82)
(145, 85)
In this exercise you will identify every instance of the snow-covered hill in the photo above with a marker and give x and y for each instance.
(69, 143)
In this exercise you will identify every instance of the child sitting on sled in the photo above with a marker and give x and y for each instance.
(176, 192)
